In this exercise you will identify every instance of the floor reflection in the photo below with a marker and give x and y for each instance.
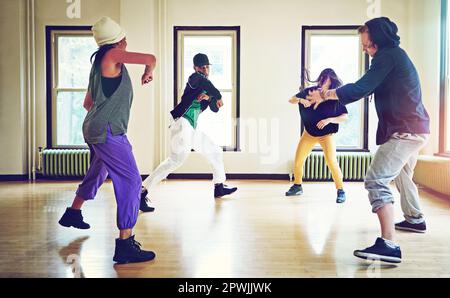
(71, 255)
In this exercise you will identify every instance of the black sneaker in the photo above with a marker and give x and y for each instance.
(406, 226)
(129, 251)
(381, 251)
(295, 190)
(221, 190)
(144, 207)
(340, 196)
(73, 218)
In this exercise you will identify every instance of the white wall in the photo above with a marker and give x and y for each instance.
(270, 62)
(139, 18)
(270, 67)
(12, 87)
(424, 37)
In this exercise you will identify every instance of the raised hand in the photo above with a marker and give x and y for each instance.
(147, 77)
(202, 97)
(315, 98)
(294, 100)
(305, 103)
(323, 123)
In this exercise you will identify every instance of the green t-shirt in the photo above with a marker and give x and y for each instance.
(193, 112)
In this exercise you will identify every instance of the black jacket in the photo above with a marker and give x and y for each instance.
(196, 85)
(393, 79)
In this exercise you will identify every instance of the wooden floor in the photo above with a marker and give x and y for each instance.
(255, 233)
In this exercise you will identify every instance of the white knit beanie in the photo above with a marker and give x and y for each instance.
(107, 31)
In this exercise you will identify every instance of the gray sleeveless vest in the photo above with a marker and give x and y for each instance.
(114, 110)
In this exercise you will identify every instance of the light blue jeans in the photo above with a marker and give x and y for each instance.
(396, 160)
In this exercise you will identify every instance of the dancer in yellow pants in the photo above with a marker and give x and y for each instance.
(306, 145)
(320, 126)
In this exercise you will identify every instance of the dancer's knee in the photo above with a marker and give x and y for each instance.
(379, 193)
(176, 160)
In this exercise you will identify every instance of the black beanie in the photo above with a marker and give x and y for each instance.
(383, 32)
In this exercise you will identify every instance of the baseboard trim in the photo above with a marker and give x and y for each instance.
(283, 177)
(200, 176)
(58, 178)
(61, 178)
(279, 177)
(12, 178)
(232, 176)
(434, 192)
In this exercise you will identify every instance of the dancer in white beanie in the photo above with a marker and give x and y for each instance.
(107, 33)
(108, 102)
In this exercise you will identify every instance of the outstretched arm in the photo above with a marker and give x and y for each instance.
(121, 56)
(213, 92)
(211, 89)
(295, 100)
(337, 120)
(340, 119)
(381, 66)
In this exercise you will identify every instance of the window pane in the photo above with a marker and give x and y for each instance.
(219, 51)
(349, 135)
(69, 118)
(73, 60)
(343, 57)
(219, 126)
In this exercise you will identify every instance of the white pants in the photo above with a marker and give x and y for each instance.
(184, 138)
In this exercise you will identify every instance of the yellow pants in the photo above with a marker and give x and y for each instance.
(306, 145)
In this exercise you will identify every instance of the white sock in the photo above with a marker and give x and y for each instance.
(390, 243)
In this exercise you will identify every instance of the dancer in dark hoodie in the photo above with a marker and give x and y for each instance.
(403, 130)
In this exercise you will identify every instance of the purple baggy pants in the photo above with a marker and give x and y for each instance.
(115, 157)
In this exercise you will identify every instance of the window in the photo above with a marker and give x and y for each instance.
(221, 44)
(339, 48)
(68, 68)
(444, 123)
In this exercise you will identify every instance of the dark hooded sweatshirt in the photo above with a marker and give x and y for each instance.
(393, 79)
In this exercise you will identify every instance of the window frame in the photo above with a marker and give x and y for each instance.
(51, 52)
(444, 102)
(236, 80)
(365, 61)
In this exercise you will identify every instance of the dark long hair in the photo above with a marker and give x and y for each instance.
(100, 53)
(336, 82)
